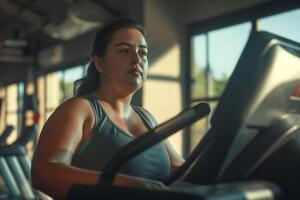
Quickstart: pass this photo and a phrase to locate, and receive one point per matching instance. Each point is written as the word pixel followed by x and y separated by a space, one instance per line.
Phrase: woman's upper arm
pixel 61 135
pixel 62 132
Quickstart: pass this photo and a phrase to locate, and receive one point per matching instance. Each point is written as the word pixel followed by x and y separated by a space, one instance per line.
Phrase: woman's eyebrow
pixel 128 44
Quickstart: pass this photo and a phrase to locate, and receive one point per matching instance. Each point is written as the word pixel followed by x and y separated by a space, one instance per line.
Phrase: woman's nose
pixel 136 59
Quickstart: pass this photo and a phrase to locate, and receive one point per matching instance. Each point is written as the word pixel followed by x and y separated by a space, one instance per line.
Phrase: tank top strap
pixel 98 114
pixel 146 117
pixel 95 107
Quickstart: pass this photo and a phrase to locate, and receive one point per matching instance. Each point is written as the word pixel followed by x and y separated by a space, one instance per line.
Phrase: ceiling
pixel 38 24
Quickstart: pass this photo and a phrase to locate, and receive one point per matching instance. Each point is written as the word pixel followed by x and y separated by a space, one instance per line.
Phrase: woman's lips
pixel 135 71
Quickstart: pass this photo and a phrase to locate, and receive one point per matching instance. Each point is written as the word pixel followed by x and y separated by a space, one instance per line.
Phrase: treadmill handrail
pixel 152 137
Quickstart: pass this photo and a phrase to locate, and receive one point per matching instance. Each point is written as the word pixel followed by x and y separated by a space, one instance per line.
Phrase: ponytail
pixel 89 83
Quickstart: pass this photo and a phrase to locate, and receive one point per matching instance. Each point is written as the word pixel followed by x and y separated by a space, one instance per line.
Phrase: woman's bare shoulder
pixel 72 116
pixel 75 101
pixel 74 106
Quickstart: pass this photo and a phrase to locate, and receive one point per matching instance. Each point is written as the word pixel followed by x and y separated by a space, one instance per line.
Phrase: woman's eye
pixel 124 51
pixel 143 53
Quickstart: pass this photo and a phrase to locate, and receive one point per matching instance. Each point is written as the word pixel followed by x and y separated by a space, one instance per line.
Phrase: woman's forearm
pixel 55 179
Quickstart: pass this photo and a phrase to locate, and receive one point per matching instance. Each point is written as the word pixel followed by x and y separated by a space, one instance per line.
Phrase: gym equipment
pixel 252 149
pixel 15 166
pixel 254 131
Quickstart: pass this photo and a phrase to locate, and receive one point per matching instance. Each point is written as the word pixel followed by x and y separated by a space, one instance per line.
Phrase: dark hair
pixel 90 82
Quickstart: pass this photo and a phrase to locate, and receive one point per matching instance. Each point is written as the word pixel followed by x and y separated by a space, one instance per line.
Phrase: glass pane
pixel 21 90
pixel 12 119
pixel 12 98
pixel 2 108
pixel 2 92
pixel 225 48
pixel 199 128
pixel 163 100
pixel 53 89
pixel 30 88
pixel 70 76
pixel 198 63
pixel 42 100
pixel 283 24
pixel 168 64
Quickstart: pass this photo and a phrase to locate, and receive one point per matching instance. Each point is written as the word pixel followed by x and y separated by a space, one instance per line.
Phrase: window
pixel 283 24
pixel 41 88
pixel 162 91
pixel 2 109
pixel 71 75
pixel 54 88
pixel 162 98
pixel 54 94
pixel 213 57
pixel 12 111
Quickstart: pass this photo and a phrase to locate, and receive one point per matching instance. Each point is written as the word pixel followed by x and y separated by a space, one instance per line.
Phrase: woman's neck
pixel 120 103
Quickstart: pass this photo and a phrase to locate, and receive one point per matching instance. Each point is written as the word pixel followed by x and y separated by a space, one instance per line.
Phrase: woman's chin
pixel 135 85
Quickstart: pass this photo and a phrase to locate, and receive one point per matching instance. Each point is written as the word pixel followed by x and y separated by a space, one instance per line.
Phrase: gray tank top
pixel 107 139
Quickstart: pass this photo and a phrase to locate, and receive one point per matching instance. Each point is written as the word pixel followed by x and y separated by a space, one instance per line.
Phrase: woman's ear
pixel 98 62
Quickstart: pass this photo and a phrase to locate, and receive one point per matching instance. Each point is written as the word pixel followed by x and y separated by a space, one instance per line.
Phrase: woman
pixel 85 131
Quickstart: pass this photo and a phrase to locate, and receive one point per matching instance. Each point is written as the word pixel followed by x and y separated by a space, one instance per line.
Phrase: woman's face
pixel 125 63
